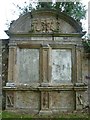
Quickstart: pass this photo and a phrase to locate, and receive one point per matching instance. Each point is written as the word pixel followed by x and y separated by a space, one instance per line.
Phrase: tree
pixel 86 44
pixel 74 9
pixel 45 5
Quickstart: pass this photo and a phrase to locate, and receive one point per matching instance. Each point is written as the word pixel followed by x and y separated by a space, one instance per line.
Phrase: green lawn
pixel 6 114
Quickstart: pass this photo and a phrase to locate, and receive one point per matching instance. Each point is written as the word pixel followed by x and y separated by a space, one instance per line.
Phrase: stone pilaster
pixel 46 79
pixel 12 62
pixel 46 65
pixel 79 64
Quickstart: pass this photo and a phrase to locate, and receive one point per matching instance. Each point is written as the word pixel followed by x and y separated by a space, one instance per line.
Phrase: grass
pixel 6 114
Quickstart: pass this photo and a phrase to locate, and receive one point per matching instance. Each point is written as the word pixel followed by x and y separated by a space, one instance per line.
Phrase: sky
pixel 7 13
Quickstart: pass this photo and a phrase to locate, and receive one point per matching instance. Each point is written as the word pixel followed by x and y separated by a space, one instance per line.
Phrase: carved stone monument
pixel 46 68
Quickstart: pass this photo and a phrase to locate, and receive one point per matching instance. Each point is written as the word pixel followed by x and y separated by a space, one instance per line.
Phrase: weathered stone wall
pixel 46 68
pixel 4 63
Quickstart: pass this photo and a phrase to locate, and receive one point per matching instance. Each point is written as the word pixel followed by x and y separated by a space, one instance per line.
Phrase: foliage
pixel 74 9
pixel 24 9
pixel 44 5
pixel 86 44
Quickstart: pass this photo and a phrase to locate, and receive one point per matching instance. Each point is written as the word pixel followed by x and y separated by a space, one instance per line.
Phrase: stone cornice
pixel 54 34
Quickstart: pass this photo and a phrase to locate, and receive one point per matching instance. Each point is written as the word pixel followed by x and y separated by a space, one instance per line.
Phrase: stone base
pixel 45 112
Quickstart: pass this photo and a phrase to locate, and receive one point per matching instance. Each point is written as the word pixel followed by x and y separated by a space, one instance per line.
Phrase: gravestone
pixel 47 67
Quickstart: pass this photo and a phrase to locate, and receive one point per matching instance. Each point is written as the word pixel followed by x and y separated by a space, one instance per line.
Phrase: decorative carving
pixel 47 25
pixel 45 99
pixel 80 99
pixel 59 26
pixel 50 26
pixel 36 25
pixel 10 99
pixel 43 24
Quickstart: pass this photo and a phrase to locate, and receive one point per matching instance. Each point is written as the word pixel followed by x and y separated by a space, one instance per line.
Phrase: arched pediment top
pixel 45 21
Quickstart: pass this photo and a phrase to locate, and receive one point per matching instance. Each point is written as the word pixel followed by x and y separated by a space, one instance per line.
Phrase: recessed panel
pixel 62 100
pixel 61 65
pixel 27 99
pixel 28 65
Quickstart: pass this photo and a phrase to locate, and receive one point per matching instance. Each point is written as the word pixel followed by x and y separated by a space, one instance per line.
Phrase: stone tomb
pixel 47 67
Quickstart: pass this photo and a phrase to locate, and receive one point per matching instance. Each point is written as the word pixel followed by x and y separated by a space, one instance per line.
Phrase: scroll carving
pixel 80 99
pixel 47 25
pixel 10 100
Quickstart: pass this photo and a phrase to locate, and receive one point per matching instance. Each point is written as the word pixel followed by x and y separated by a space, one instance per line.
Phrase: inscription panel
pixel 61 65
pixel 28 65
pixel 63 100
pixel 27 99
